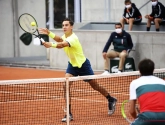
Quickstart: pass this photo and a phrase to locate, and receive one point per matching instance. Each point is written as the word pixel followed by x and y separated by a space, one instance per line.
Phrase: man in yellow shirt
pixel 78 64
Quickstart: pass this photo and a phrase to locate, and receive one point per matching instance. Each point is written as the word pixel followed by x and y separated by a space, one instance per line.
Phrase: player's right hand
pixel 43 31
pixel 47 44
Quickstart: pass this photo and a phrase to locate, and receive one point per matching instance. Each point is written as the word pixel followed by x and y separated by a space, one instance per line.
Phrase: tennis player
pixel 149 90
pixel 78 64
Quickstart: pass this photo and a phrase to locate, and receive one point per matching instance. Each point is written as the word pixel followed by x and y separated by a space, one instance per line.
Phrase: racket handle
pixel 137 109
pixel 42 40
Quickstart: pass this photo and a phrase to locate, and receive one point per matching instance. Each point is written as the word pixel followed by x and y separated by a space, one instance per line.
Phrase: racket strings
pixel 127 113
pixel 25 23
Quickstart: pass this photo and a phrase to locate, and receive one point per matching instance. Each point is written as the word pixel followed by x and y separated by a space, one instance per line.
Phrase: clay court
pixel 15 73
pixel 41 103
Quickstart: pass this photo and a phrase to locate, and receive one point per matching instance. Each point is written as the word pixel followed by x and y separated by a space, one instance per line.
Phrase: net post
pixel 67 100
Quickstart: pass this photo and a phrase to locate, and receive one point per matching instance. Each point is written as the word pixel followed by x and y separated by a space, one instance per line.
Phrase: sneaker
pixel 111 105
pixel 119 71
pixel 65 118
pixel 105 73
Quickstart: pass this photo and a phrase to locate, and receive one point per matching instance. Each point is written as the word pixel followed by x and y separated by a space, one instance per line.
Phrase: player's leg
pixel 111 100
pixel 122 21
pixel 157 21
pixel 110 54
pixel 122 57
pixel 69 73
pixel 86 69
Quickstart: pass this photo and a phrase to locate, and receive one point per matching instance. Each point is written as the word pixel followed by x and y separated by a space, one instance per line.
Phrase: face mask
pixel 154 3
pixel 128 6
pixel 118 30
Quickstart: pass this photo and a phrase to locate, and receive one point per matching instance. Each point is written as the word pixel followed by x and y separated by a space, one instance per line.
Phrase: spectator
pixel 134 15
pixel 157 15
pixel 122 42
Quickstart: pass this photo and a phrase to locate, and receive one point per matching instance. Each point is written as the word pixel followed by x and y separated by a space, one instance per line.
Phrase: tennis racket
pixel 29 24
pixel 125 111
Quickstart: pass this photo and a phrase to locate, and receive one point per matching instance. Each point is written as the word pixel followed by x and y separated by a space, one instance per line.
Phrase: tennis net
pixel 41 101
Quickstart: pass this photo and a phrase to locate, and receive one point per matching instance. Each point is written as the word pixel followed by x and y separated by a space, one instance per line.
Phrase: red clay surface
pixel 41 104
pixel 12 73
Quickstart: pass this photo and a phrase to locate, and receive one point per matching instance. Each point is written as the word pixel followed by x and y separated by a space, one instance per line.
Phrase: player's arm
pixel 62 44
pixel 132 98
pixel 132 109
pixel 55 37
pixel 58 39
pixel 58 45
pixel 50 34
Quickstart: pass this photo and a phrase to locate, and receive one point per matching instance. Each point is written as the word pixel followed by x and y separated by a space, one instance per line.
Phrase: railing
pixel 144 4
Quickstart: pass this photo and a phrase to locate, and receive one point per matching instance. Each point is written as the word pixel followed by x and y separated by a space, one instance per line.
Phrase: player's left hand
pixel 43 31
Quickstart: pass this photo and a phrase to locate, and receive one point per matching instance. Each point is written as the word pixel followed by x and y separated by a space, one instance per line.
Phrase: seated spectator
pixel 157 15
pixel 134 15
pixel 122 42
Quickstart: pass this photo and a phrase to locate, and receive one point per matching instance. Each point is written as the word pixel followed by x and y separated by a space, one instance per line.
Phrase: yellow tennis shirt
pixel 74 51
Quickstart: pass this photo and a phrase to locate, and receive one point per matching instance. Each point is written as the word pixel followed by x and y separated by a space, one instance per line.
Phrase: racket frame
pixel 33 33
pixel 123 110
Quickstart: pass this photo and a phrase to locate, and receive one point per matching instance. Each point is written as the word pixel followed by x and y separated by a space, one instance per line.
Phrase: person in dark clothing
pixel 122 42
pixel 157 15
pixel 134 15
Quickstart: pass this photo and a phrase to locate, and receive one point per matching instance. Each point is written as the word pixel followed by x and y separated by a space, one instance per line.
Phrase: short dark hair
pixel 127 1
pixel 70 21
pixel 146 67
pixel 118 24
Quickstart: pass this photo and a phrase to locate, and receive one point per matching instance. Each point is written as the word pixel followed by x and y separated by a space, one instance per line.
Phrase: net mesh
pixel 41 101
